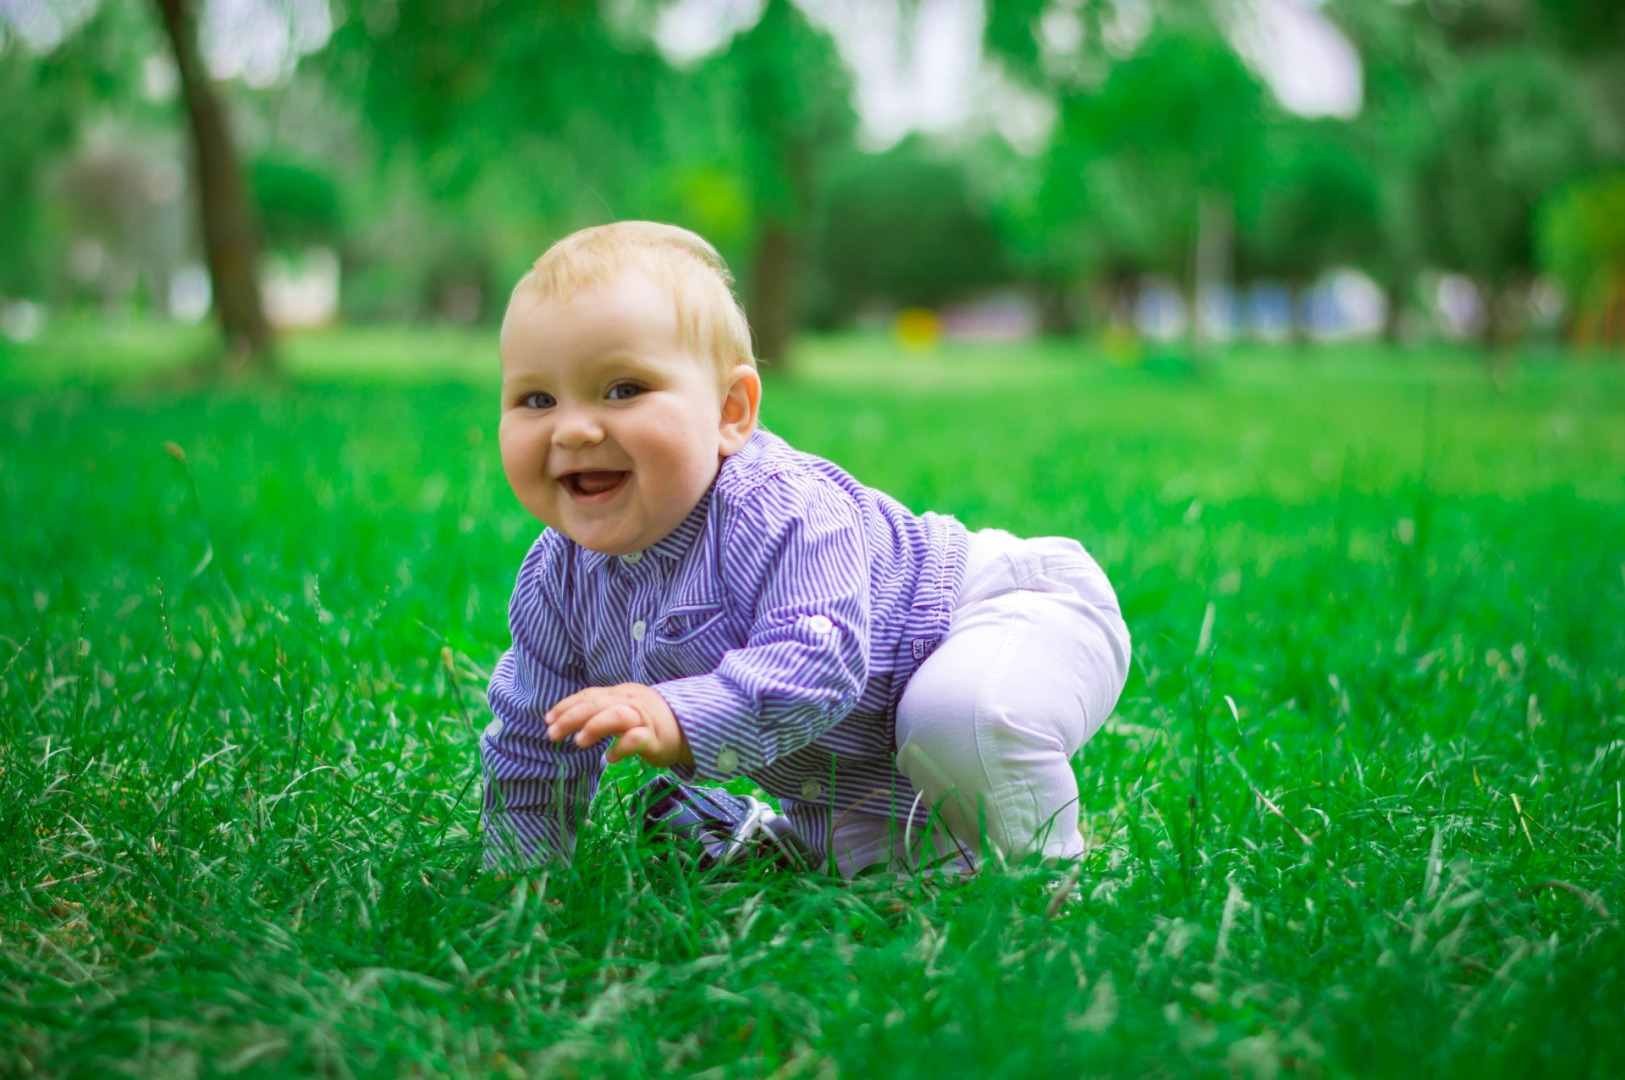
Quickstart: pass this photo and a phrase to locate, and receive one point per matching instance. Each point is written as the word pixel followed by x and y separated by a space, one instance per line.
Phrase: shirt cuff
pixel 715 720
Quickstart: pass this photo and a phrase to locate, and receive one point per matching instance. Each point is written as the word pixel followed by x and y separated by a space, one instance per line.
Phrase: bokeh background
pixel 1304 318
pixel 1159 178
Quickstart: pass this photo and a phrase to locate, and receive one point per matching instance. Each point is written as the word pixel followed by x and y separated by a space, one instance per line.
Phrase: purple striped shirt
pixel 780 621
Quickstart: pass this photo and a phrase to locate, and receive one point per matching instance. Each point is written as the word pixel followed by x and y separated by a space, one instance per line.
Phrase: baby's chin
pixel 608 541
pixel 618 533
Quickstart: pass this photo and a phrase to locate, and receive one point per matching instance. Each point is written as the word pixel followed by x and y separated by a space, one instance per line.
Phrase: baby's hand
pixel 639 719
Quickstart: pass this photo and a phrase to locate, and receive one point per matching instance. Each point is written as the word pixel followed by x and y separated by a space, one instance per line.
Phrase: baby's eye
pixel 623 391
pixel 538 400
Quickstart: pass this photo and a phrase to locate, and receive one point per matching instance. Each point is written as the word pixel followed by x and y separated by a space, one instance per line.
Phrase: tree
pixel 545 118
pixel 500 127
pixel 1510 129
pixel 1134 155
pixel 93 69
pixel 1314 203
pixel 1404 52
pixel 904 227
pixel 1581 237
pixel 229 240
pixel 792 107
pixel 1474 112
pixel 297 202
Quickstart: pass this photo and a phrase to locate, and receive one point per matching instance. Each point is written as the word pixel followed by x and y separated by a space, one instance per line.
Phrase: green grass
pixel 1359 811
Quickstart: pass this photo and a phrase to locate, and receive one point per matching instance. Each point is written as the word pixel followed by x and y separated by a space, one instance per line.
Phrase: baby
pixel 722 605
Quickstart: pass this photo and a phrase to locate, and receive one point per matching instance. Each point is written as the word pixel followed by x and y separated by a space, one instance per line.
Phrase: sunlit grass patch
pixel 1359 810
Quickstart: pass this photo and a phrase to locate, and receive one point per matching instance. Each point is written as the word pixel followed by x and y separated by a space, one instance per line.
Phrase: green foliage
pixel 1129 158
pixel 1014 35
pixel 1316 204
pixel 1581 235
pixel 548 118
pixel 474 85
pixel 53 96
pixel 298 203
pixel 1588 27
pixel 904 227
pixel 240 697
pixel 1510 127
pixel 793 107
pixel 540 120
pixel 1011 35
pixel 462 137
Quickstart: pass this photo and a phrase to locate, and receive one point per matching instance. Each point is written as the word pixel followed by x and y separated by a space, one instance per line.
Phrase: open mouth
pixel 593 483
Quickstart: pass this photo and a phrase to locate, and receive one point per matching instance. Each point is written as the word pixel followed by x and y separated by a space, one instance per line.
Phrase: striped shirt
pixel 780 621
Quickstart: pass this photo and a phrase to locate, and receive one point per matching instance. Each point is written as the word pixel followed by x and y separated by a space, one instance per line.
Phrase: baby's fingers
pixel 613 720
pixel 567 717
pixel 627 745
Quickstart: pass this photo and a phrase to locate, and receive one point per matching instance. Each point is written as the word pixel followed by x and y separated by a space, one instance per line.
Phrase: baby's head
pixel 687 268
pixel 627 376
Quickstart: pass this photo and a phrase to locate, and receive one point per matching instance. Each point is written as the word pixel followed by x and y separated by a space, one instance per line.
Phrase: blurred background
pixel 1150 177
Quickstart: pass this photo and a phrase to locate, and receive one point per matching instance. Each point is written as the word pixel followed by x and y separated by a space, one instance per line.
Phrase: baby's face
pixel 611 428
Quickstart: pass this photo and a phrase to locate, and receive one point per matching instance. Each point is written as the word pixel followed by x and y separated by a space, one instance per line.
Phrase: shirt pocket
pixel 682 625
pixel 691 640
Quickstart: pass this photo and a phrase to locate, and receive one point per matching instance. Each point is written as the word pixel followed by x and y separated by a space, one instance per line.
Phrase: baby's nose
pixel 577 427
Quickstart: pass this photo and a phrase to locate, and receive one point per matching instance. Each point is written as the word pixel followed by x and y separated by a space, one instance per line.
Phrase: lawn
pixel 1359 811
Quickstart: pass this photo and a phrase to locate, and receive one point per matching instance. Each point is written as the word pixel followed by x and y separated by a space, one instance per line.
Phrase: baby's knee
pixel 938 766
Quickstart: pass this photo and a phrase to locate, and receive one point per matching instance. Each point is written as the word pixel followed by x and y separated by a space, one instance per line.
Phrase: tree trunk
pixel 772 293
pixel 1612 321
pixel 1393 320
pixel 1494 333
pixel 1301 336
pixel 1125 299
pixel 1212 267
pixel 1057 315
pixel 228 230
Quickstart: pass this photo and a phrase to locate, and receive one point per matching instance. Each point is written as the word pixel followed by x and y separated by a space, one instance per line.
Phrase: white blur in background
pixel 920 67
pixel 916 66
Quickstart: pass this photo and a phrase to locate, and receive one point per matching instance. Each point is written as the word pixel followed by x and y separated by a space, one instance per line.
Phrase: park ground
pixel 1359 810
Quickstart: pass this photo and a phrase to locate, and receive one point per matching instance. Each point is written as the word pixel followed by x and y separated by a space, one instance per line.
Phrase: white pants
pixel 1035 656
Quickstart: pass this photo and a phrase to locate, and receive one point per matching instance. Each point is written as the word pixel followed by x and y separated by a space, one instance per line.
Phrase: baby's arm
pixel 796 559
pixel 799 672
pixel 536 791
pixel 636 715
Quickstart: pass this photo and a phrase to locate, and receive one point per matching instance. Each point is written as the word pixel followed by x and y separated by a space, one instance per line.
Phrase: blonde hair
pixel 710 320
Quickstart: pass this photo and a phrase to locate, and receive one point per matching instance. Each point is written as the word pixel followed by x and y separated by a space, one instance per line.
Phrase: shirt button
pixel 494 728
pixel 632 558
pixel 818 624
pixel 637 630
pixel 727 761
pixel 812 790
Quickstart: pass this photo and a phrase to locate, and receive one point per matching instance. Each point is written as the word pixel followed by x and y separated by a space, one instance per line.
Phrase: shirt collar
pixel 675 544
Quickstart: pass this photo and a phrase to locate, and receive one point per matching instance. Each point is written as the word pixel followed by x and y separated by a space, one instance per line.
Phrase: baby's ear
pixel 741 398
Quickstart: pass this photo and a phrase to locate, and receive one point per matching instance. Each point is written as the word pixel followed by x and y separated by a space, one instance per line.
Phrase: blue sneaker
pixel 727 827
